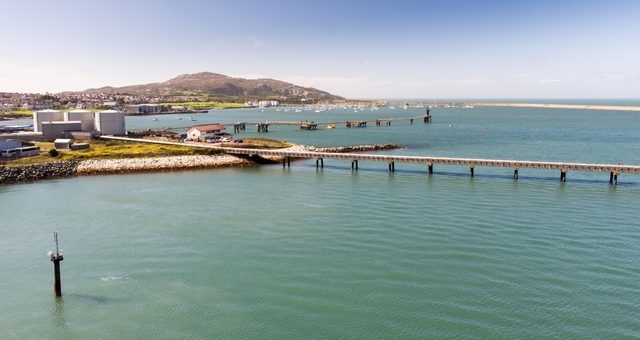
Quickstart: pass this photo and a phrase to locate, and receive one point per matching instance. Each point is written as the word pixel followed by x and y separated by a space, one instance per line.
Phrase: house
pixel 201 132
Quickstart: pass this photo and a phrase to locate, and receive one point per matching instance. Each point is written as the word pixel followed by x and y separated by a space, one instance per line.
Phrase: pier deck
pixel 288 154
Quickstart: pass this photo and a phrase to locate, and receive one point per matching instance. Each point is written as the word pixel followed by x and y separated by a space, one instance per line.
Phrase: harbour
pixel 330 252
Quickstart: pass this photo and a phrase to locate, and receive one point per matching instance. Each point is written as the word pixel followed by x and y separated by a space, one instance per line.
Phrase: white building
pixel 144 109
pixel 45 116
pixel 110 122
pixel 198 132
pixel 85 117
pixel 268 103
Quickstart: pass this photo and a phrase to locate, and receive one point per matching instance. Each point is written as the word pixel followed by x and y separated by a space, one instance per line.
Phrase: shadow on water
pixel 90 298
pixel 521 178
pixel 59 319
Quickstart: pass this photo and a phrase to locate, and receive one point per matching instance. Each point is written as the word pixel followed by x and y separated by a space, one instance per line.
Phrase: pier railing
pixel 288 154
pixel 613 169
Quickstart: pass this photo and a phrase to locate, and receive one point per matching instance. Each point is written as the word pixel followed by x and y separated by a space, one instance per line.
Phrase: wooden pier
pixel 429 162
pixel 304 125
pixel 563 167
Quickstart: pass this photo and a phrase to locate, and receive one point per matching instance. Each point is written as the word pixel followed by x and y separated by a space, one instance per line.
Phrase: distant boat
pixel 179 118
pixel 331 126
pixel 156 119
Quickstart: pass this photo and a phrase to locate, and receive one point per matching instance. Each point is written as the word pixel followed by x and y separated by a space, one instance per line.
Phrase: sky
pixel 355 49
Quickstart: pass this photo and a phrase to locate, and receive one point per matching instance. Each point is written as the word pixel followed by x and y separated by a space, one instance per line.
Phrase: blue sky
pixel 356 49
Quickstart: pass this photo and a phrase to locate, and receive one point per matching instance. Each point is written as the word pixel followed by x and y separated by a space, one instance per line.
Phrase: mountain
pixel 222 87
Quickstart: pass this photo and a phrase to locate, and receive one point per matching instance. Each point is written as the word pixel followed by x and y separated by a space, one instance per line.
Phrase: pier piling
pixel 613 178
pixel 563 175
pixel 354 164
pixel 320 161
pixel 471 171
pixel 515 174
pixel 392 166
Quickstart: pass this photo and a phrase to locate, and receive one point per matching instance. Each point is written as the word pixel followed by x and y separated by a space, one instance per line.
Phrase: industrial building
pixel 54 124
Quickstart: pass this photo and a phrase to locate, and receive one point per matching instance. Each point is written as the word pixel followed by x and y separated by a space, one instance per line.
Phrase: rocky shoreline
pixel 29 173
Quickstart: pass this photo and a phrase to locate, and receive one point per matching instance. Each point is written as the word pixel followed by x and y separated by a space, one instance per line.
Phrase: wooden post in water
pixel 563 175
pixel 515 173
pixel 427 116
pixel 613 177
pixel 56 257
pixel 354 164
pixel 430 168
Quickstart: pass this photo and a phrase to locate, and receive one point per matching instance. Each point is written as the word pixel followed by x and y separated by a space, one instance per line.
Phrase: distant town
pixel 30 101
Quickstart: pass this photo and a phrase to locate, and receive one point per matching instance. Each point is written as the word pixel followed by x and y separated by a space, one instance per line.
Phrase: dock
pixel 428 161
pixel 564 167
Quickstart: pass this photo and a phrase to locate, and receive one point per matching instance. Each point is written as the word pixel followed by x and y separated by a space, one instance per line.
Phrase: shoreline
pixel 60 169
pixel 562 106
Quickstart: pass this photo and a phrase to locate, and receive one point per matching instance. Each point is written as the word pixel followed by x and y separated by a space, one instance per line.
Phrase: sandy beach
pixel 562 106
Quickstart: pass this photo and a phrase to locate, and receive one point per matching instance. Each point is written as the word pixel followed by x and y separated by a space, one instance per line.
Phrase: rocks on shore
pixel 10 174
pixel 158 164
pixel 27 173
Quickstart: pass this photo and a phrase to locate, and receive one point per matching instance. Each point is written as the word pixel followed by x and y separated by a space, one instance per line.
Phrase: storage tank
pixel 110 122
pixel 46 116
pixel 86 118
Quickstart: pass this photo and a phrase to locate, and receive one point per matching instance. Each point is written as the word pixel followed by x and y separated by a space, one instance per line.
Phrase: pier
pixel 305 125
pixel 563 167
pixel 428 161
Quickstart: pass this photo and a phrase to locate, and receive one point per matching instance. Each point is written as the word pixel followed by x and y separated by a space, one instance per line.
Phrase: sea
pixel 275 252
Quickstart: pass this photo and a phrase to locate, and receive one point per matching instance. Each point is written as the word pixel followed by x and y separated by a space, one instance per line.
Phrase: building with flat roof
pixel 198 132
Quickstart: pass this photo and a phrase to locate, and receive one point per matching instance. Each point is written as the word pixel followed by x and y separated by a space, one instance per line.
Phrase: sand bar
pixel 563 106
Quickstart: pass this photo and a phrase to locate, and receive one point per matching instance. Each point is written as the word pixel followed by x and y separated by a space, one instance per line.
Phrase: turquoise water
pixel 304 253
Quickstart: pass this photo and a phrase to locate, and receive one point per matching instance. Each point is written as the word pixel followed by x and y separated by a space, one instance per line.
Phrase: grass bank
pixel 122 149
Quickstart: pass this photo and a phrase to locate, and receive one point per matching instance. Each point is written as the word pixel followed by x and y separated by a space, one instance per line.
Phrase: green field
pixel 124 149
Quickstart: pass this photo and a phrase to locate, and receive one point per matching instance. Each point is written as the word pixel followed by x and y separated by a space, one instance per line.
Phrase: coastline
pixel 125 165
pixel 562 106
pixel 60 169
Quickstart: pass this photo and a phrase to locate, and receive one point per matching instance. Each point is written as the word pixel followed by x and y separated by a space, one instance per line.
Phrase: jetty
pixel 306 125
pixel 289 154
pixel 564 167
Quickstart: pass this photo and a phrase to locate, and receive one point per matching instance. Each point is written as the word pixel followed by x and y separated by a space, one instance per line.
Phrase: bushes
pixel 53 153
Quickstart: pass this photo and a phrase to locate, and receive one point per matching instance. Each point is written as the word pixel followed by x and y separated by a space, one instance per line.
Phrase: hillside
pixel 214 85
